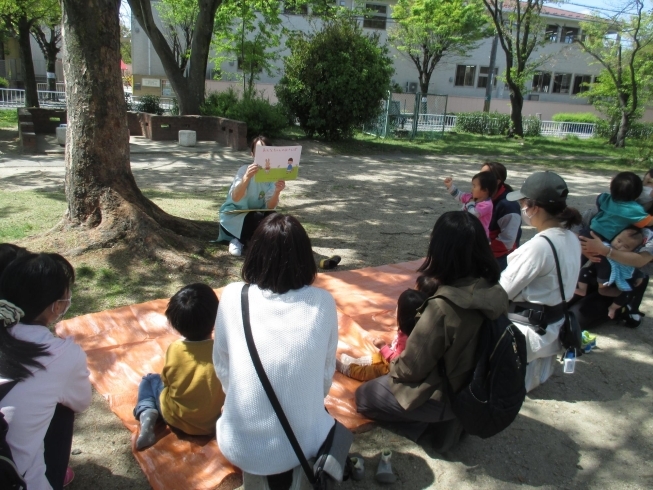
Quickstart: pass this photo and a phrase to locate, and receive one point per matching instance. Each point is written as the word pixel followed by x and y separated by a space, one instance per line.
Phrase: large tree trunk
pixel 31 93
pixel 104 202
pixel 190 90
pixel 516 105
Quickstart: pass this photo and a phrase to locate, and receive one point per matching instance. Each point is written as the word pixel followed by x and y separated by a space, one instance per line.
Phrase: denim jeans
pixel 148 394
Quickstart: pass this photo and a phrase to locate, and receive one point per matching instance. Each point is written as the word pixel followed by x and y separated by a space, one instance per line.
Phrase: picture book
pixel 277 163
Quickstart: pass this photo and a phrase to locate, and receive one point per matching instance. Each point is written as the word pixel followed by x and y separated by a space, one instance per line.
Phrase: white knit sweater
pixel 296 335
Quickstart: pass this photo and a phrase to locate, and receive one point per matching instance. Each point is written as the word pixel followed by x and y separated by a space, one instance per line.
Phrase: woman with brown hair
pixel 294 326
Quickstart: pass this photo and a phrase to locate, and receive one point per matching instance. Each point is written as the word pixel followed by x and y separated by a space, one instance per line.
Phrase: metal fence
pixel 410 115
pixel 60 86
pixel 560 129
pixel 14 97
pixel 166 103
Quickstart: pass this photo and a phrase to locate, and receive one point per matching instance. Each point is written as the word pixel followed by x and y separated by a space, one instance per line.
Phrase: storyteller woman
pixel 295 330
pixel 245 193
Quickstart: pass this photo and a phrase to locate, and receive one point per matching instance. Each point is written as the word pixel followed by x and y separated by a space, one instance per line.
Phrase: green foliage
pixel 335 78
pixel 128 102
pixel 577 117
pixel 639 131
pixel 532 126
pixel 149 104
pixel 260 116
pixel 4 83
pixel 482 123
pixel 248 33
pixel 427 30
pixel 179 18
pixel 9 119
pixel 622 46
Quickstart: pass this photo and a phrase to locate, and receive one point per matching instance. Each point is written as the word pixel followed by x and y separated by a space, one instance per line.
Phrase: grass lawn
pixel 111 278
pixel 593 153
pixel 8 118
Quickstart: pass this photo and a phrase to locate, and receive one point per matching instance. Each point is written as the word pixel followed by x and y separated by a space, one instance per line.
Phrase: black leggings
pixel 57 444
pixel 251 222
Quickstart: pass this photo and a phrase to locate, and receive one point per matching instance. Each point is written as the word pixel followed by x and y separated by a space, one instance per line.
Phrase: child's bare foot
pixel 378 343
pixel 612 311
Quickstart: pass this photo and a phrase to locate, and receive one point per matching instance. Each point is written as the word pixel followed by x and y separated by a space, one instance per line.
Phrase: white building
pixel 556 87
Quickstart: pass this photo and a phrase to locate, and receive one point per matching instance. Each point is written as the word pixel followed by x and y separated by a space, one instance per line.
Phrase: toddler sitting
pixel 479 201
pixel 187 395
pixel 610 273
pixel 370 367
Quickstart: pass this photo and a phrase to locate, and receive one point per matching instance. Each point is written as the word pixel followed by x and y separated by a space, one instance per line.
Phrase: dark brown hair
pixel 407 304
pixel 280 257
pixel 459 248
pixel 500 172
pixel 567 216
pixel 264 140
pixel 192 310
pixel 427 285
pixel 487 181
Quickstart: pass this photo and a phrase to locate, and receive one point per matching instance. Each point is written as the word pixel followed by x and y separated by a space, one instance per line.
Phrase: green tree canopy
pixel 335 79
pixel 623 47
pixel 427 30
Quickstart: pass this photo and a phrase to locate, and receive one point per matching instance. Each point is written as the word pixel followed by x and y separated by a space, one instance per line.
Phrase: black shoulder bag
pixel 571 335
pixel 332 457
pixel 10 478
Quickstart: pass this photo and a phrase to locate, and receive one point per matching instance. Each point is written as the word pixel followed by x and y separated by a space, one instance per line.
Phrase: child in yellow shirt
pixel 187 394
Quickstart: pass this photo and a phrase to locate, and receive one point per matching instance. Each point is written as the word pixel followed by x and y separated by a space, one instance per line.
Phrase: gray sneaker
pixel 235 247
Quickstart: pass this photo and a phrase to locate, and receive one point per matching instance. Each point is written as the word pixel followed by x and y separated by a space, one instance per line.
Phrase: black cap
pixel 542 187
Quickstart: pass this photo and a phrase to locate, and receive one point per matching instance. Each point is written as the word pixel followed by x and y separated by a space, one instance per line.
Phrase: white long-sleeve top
pixel 296 336
pixel 29 406
pixel 531 276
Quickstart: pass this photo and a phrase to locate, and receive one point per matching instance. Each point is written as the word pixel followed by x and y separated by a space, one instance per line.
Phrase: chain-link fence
pixel 410 116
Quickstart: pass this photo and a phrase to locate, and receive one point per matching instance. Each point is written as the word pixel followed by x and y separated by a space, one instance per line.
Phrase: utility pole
pixel 490 75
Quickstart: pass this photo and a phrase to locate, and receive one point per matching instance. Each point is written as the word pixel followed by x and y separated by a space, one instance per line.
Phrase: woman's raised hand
pixel 279 185
pixel 251 171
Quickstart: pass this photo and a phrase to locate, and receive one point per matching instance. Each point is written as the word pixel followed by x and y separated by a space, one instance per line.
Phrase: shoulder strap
pixel 6 388
pixel 267 386
pixel 555 257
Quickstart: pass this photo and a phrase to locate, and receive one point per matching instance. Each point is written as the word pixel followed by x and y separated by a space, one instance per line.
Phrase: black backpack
pixel 496 392
pixel 10 478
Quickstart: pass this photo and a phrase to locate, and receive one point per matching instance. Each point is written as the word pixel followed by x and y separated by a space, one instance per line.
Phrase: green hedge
pixel 4 83
pixel 532 126
pixel 579 117
pixel 604 129
pixel 482 123
pixel 258 113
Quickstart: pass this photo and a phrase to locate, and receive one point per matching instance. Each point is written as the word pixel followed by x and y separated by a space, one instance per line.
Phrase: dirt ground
pixel 592 429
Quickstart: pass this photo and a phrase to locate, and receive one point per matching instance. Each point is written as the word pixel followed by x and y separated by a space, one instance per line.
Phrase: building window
pixel 291 7
pixel 561 83
pixel 166 88
pixel 375 19
pixel 581 84
pixel 551 33
pixel 541 81
pixel 483 75
pixel 465 75
pixel 569 34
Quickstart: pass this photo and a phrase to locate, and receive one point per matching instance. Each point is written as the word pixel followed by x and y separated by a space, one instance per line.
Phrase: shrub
pixel 482 123
pixel 149 104
pixel 604 129
pixel 258 113
pixel 4 83
pixel 335 79
pixel 128 102
pixel 532 126
pixel 579 117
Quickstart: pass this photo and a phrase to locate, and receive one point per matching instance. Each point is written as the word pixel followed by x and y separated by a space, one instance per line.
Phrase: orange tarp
pixel 124 344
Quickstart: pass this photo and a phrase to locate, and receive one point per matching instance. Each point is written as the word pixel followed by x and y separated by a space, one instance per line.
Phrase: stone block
pixel 28 140
pixel 61 135
pixel 26 127
pixel 187 137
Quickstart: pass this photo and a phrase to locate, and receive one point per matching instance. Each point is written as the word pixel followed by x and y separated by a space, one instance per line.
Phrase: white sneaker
pixel 235 247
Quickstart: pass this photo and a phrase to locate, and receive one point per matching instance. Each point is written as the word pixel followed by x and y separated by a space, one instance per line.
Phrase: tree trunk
pixel 190 90
pixel 31 93
pixel 424 81
pixel 104 202
pixel 516 105
pixel 620 139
